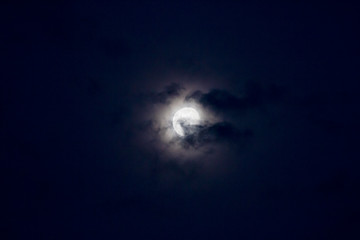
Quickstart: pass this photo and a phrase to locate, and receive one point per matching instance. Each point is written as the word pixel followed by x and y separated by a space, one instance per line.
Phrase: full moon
pixel 188 116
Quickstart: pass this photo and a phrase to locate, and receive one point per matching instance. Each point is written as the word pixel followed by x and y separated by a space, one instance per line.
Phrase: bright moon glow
pixel 186 115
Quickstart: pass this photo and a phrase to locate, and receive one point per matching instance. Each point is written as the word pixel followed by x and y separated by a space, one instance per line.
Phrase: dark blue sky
pixel 87 89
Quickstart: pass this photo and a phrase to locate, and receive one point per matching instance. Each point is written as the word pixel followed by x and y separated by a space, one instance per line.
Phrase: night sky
pixel 88 91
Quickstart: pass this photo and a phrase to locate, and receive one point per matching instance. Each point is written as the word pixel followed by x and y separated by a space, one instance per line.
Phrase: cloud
pixel 222 132
pixel 223 129
pixel 220 100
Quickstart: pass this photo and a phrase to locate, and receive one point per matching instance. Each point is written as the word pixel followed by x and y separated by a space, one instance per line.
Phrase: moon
pixel 185 115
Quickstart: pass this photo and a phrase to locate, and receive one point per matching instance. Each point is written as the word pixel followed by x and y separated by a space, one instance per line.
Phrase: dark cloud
pixel 221 100
pixel 222 132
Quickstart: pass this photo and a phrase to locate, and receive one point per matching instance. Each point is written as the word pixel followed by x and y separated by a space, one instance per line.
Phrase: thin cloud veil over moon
pixel 185 118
